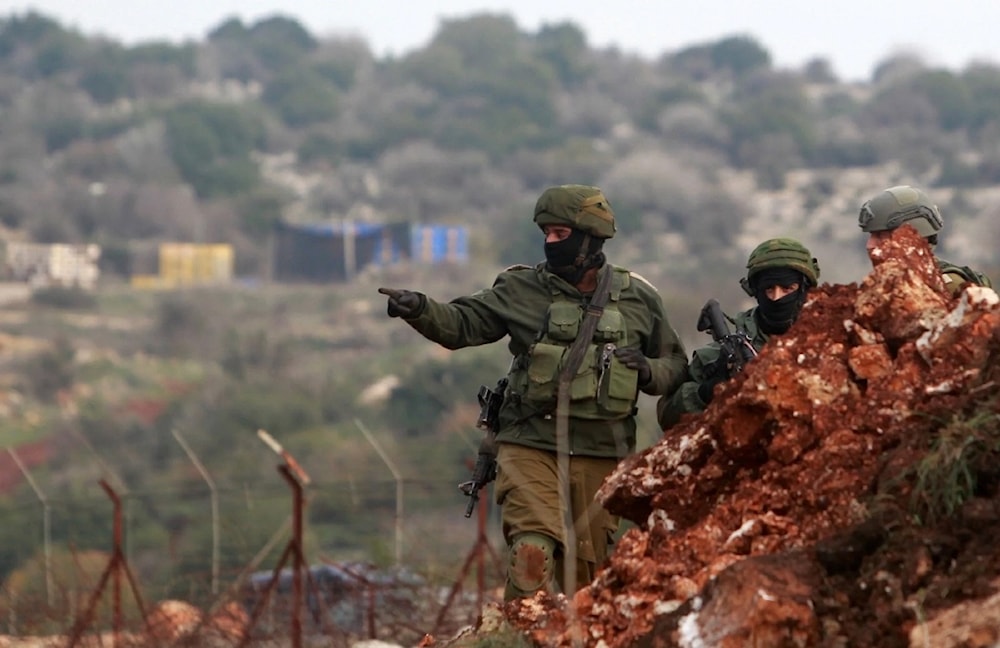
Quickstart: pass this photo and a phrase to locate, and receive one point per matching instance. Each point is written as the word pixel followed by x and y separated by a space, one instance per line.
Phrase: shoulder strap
pixel 594 310
pixel 576 352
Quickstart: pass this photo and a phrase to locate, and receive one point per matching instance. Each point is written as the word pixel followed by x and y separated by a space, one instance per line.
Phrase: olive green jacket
pixel 515 307
pixel 686 399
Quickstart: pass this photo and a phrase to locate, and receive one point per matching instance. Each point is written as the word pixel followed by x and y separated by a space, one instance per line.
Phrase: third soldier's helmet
pixel 578 206
pixel 781 253
pixel 897 205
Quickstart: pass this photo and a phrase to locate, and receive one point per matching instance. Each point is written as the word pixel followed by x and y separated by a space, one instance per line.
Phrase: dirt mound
pixel 842 491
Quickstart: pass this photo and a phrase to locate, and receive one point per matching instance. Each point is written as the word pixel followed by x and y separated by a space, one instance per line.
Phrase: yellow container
pixel 185 264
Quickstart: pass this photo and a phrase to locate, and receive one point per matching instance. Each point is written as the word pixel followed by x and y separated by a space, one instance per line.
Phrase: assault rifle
pixel 485 469
pixel 736 348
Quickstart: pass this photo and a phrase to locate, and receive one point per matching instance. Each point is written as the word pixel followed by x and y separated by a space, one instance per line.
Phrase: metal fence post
pixel 46 524
pixel 214 494
pixel 399 490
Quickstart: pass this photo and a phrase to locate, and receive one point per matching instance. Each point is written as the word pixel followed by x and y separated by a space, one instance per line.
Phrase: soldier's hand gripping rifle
pixel 485 469
pixel 736 348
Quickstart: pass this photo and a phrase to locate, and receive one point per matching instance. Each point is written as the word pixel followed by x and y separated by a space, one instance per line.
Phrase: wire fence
pixel 403 543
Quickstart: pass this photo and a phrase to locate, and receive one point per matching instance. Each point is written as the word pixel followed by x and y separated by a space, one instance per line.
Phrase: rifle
pixel 485 469
pixel 736 348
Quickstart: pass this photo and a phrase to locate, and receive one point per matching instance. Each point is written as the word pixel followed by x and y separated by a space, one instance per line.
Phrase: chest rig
pixel 602 387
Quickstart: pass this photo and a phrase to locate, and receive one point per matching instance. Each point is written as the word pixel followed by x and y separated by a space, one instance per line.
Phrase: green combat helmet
pixel 578 206
pixel 781 253
pixel 897 205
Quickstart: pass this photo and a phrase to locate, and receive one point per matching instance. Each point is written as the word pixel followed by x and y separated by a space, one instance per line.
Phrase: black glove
pixel 715 373
pixel 403 303
pixel 634 359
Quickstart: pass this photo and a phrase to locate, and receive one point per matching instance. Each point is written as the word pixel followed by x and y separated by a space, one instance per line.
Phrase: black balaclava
pixel 574 255
pixel 775 317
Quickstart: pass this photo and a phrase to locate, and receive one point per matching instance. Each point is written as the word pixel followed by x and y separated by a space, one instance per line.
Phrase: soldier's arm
pixel 685 400
pixel 466 321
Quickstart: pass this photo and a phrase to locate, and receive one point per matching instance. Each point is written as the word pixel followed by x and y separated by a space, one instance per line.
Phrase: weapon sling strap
pixel 592 316
pixel 573 359
pixel 594 310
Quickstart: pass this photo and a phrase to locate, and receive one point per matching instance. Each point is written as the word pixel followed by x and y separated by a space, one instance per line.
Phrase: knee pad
pixel 531 564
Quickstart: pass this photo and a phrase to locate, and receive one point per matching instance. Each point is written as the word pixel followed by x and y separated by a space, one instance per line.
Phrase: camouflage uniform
pixel 540 312
pixel 905 204
pixel 686 398
pixel 778 253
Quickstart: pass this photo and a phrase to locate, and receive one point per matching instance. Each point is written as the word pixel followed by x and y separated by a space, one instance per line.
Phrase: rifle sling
pixel 579 348
pixel 576 352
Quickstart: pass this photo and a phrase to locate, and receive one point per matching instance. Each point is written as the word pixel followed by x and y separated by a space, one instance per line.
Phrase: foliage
pixel 740 54
pixel 433 388
pixel 255 355
pixel 74 297
pixel 104 75
pixel 184 56
pixel 983 87
pixel 59 131
pixel 260 209
pixel 564 47
pixel 42 610
pixel 949 96
pixel 273 43
pixel 211 146
pixel 505 637
pixel 770 122
pixel 302 96
pixel 30 29
pixel 180 323
pixel 50 372
pixel 501 97
pixel 737 55
pixel 961 454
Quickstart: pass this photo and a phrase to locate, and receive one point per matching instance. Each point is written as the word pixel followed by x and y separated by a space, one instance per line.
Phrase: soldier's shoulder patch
pixel 639 277
pixel 517 266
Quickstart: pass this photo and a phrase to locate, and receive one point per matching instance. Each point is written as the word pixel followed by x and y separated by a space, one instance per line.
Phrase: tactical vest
pixel 603 387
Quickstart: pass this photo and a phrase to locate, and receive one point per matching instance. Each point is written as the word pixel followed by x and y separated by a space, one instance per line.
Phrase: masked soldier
pixel 541 311
pixel 905 204
pixel 780 272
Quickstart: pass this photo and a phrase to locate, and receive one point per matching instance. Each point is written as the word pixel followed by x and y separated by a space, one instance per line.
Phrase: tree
pixel 736 55
pixel 983 84
pixel 302 96
pixel 766 105
pixel 105 74
pixel 948 95
pixel 211 146
pixel 740 54
pixel 564 47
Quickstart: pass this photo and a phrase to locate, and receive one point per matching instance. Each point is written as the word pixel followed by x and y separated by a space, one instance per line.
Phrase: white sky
pixel 854 35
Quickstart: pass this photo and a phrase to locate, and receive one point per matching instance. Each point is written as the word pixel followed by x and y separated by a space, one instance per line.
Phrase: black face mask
pixel 777 316
pixel 561 256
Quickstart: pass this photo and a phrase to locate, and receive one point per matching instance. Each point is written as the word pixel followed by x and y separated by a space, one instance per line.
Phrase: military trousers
pixel 527 490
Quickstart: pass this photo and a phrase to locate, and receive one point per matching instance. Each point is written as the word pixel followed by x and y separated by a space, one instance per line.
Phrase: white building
pixel 53 264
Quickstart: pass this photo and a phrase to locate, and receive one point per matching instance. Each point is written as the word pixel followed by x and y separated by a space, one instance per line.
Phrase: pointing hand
pixel 403 303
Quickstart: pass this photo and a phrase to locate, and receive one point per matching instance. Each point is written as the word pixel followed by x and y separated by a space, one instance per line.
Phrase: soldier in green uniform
pixel 780 272
pixel 905 204
pixel 540 311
